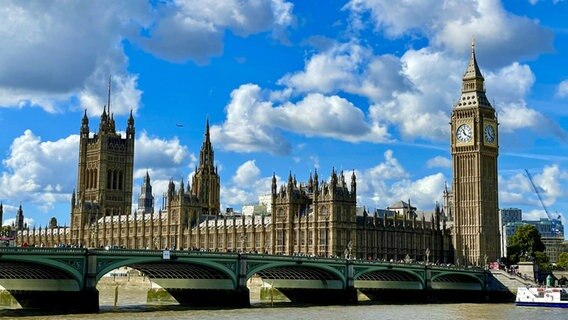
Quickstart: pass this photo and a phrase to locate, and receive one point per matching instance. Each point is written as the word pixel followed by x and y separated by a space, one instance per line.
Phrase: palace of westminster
pixel 319 217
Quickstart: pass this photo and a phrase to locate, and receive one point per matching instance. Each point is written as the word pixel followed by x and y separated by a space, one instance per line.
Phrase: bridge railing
pixel 39 250
pixel 201 253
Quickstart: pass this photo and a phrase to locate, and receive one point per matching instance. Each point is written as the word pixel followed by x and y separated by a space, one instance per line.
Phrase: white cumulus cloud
pixel 388 182
pixel 450 25
pixel 60 54
pixel 38 171
pixel 58 51
pixel 562 89
pixel 247 173
pixel 439 162
pixel 195 29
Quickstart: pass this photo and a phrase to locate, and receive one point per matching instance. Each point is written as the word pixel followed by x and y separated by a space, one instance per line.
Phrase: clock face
pixel 489 133
pixel 464 133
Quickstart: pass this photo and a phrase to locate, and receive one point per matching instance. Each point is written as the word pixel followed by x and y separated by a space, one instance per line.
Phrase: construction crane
pixel 556 224
pixel 538 195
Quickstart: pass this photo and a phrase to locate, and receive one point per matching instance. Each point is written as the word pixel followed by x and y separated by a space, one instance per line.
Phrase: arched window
pixel 120 178
pixel 109 179
pixel 323 212
pixel 114 179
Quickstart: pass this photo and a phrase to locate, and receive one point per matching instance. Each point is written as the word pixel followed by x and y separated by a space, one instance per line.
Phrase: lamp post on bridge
pixel 243 239
pixel 156 240
pixel 347 251
pixel 427 255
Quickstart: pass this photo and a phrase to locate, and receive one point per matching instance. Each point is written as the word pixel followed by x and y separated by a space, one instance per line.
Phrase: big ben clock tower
pixel 474 144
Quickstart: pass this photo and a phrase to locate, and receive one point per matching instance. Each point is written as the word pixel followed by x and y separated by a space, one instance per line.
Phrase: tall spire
pixel 108 97
pixel 206 182
pixel 472 71
pixel 207 128
pixel 473 85
pixel 207 137
pixel 85 119
pixel 207 159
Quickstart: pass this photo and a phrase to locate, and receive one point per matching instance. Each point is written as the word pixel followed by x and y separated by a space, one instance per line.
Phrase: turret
pixel 171 190
pixel 85 126
pixel 333 182
pixel 274 186
pixel 353 184
pixel 181 188
pixel 1 213
pixel 316 181
pixel 19 219
pixel 130 130
pixel 146 199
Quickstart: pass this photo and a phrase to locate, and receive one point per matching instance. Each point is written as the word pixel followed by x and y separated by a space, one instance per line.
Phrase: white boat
pixel 542 297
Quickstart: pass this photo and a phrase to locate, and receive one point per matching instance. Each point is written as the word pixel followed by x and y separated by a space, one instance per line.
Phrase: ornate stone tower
pixel 474 145
pixel 105 173
pixel 318 218
pixel 19 223
pixel 206 183
pixel 146 199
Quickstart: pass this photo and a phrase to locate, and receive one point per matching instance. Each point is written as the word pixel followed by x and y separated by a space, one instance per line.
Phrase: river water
pixel 361 312
pixel 131 304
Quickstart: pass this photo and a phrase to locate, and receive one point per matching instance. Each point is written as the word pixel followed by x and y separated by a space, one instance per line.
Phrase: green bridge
pixel 66 278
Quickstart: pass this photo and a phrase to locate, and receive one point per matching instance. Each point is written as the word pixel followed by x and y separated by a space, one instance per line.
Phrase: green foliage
pixel 542 260
pixel 5 230
pixel 562 262
pixel 524 245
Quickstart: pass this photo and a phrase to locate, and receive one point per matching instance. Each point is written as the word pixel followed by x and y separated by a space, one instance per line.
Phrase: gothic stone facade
pixel 316 218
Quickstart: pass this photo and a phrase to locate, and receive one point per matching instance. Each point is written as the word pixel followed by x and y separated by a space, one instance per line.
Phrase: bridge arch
pixel 390 274
pixel 32 267
pixel 303 281
pixel 181 268
pixel 295 270
pixel 454 280
pixel 387 277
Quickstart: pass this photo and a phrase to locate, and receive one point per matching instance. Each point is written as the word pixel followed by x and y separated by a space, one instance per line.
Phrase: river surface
pixel 131 304
pixel 362 312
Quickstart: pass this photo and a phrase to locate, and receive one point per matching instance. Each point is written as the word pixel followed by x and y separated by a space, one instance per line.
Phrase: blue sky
pixel 364 85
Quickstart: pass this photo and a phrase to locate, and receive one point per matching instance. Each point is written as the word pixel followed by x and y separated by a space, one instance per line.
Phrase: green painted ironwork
pixel 237 267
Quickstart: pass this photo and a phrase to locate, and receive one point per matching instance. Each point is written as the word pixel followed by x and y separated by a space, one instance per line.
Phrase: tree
pixel 524 245
pixel 562 262
pixel 5 230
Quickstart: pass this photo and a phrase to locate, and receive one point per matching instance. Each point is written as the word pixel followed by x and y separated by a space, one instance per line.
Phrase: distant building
pixel 508 216
pixel 554 247
pixel 551 231
pixel 263 208
pixel 403 209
